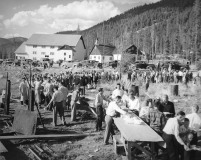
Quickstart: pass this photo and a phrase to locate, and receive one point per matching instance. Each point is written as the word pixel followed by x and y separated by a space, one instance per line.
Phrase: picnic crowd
pixel 178 130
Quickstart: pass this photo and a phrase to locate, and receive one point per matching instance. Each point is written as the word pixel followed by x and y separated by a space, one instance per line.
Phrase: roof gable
pixel 103 50
pixel 54 39
pixel 21 48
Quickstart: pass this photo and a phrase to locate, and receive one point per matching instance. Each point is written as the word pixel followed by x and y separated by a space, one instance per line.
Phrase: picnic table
pixel 136 135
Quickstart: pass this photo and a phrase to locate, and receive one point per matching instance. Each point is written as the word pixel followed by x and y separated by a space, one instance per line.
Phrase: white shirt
pixel 117 92
pixel 172 126
pixel 125 98
pixel 113 108
pixel 195 121
pixel 134 104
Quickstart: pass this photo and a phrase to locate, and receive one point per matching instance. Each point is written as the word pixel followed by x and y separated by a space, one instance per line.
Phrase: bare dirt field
pixel 90 147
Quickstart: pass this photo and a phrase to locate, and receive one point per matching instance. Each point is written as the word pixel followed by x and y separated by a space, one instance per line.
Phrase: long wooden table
pixel 132 134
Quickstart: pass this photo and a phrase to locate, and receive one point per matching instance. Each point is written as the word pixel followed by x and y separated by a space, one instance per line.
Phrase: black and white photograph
pixel 100 79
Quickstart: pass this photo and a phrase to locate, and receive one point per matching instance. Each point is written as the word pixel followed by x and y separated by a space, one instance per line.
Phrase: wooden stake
pixel 33 152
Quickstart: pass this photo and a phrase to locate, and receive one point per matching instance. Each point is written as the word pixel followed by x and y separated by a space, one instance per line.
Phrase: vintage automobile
pixel 143 65
pixel 175 65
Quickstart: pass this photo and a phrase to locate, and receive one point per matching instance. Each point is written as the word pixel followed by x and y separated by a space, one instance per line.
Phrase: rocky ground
pixel 90 147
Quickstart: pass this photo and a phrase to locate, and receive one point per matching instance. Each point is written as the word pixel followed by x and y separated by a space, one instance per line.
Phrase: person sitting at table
pixel 156 118
pixel 145 109
pixel 172 138
pixel 183 132
pixel 110 113
pixel 117 92
pixel 125 97
pixel 134 102
pixel 168 107
pixel 99 108
pixel 195 125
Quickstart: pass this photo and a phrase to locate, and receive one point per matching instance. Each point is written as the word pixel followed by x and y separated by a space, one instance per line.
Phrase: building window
pixel 51 53
pixel 64 54
pixel 42 53
pixel 52 47
pixel 34 52
pixel 64 59
pixel 43 46
pixel 94 57
pixel 34 58
pixel 110 58
pixel 103 57
pixel 98 57
pixel 34 46
pixel 69 56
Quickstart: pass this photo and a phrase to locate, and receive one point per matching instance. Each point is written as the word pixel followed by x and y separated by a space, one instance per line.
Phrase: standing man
pixel 172 138
pixel 110 113
pixel 57 100
pixel 74 99
pixel 23 88
pixel 48 92
pixel 99 108
pixel 64 91
pixel 168 107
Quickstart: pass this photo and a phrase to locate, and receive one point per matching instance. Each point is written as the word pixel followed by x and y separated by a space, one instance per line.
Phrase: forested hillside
pixel 8 46
pixel 167 27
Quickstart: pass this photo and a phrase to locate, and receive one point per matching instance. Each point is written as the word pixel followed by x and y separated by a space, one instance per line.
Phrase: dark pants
pixel 108 128
pixel 171 152
pixel 99 118
pixel 58 108
pixel 191 155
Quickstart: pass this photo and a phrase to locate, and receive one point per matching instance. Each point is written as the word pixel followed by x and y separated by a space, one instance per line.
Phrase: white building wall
pixel 107 59
pixel 117 57
pixel 80 51
pixel 101 58
pixel 52 53
pixel 96 58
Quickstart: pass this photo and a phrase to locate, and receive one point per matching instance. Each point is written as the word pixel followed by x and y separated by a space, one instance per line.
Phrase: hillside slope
pixel 165 27
pixel 8 46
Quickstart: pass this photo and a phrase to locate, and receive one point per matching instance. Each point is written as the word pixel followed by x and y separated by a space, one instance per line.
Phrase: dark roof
pixel 21 49
pixel 133 50
pixel 66 47
pixel 103 50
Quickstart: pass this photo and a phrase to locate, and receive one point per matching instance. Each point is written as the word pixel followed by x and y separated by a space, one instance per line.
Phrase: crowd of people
pixel 178 130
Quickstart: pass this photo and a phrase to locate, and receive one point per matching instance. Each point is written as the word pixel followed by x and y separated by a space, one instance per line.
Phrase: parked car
pixel 175 65
pixel 69 64
pixel 142 65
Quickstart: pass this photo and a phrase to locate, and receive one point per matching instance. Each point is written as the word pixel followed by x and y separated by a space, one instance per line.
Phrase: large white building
pixel 65 47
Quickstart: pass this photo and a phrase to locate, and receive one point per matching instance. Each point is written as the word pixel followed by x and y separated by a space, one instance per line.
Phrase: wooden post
pixel 174 90
pixel 31 93
pixel 7 98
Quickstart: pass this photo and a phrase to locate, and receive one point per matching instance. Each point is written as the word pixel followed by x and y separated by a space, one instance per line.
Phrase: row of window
pixel 35 46
pixel 51 53
pixel 99 57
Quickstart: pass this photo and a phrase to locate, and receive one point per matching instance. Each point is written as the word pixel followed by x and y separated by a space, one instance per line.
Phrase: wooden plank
pixel 43 136
pixel 38 148
pixel 2 148
pixel 34 154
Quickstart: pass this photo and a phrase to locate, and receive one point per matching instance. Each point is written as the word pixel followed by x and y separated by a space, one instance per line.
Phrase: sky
pixel 26 17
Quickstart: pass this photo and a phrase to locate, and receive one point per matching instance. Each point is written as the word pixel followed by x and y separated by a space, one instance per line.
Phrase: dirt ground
pixel 90 147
